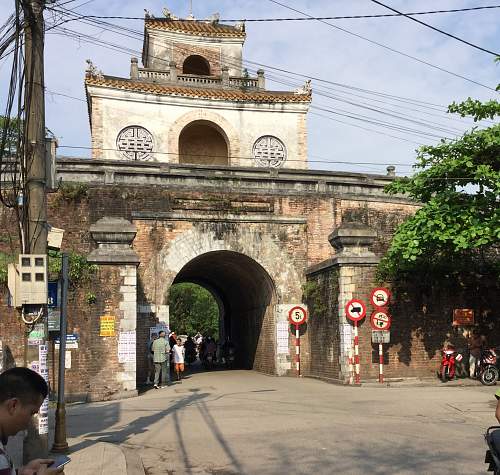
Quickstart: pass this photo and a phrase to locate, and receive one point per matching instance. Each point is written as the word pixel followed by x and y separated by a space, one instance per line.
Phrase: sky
pixel 337 139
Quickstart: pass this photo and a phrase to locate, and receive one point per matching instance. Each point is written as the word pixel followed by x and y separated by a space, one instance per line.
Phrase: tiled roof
pixel 195 27
pixel 202 93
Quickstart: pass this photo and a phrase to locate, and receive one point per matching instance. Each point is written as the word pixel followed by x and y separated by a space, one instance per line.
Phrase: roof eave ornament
pixel 169 15
pixel 148 15
pixel 240 26
pixel 92 71
pixel 305 89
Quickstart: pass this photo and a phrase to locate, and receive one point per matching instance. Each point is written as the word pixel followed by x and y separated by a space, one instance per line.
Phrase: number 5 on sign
pixel 297 315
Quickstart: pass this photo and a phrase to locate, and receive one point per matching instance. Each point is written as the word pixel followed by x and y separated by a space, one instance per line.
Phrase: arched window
pixel 201 142
pixel 196 64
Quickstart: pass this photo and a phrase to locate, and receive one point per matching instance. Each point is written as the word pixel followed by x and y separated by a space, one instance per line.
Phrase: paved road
pixel 242 422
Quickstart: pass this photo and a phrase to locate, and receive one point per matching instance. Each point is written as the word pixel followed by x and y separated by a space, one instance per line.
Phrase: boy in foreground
pixel 22 392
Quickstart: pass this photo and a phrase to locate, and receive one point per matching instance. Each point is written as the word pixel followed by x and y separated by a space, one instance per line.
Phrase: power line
pixel 307 18
pixel 436 29
pixel 139 36
pixel 346 162
pixel 389 48
pixel 362 118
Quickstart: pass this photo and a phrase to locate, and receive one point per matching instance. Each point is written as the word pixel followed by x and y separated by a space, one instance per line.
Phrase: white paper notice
pixel 43 424
pixel 67 360
pixel 282 332
pixel 126 347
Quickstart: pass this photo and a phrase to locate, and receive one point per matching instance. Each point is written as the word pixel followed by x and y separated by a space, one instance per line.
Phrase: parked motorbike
pixel 486 367
pixel 448 363
pixel 492 456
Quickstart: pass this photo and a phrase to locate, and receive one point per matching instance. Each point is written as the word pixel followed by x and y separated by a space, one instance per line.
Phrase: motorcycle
pixel 486 367
pixel 492 456
pixel 448 363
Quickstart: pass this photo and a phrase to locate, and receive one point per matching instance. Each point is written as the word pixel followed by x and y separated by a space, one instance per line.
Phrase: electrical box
pixel 28 280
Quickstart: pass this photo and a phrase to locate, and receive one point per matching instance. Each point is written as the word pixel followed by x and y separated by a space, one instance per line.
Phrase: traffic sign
pixel 297 315
pixel 355 310
pixel 380 297
pixel 380 319
pixel 381 336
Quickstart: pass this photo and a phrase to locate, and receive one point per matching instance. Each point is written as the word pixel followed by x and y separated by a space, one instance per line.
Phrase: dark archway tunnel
pixel 246 295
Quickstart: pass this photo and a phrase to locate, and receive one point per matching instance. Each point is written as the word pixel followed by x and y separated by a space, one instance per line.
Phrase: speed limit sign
pixel 297 315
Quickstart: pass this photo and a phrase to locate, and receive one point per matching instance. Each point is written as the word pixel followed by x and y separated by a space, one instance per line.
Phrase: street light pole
pixel 60 442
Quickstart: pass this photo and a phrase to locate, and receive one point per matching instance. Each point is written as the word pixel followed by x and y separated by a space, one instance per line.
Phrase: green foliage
pixel 315 299
pixel 90 298
pixel 9 128
pixel 72 191
pixel 458 183
pixel 5 260
pixel 80 271
pixel 193 309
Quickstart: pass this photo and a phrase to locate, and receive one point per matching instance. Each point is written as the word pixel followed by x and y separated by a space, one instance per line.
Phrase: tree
pixel 458 184
pixel 193 309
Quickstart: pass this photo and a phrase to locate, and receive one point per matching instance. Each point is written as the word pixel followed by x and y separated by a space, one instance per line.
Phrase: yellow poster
pixel 107 325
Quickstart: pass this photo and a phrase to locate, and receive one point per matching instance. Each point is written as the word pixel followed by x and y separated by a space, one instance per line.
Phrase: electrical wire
pixel 238 157
pixel 128 50
pixel 139 35
pixel 436 29
pixel 305 18
pixel 389 48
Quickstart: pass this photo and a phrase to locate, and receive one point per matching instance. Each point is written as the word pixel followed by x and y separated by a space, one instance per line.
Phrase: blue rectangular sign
pixel 52 300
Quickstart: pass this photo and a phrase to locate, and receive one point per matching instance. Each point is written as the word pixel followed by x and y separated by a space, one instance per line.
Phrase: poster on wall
pixel 107 327
pixel 126 347
pixel 160 326
pixel 282 332
pixel 37 335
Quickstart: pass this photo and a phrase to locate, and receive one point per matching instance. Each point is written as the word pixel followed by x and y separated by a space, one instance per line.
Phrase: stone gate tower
pixel 193 102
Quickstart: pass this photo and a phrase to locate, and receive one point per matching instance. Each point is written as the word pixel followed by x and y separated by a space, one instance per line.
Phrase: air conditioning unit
pixel 27 280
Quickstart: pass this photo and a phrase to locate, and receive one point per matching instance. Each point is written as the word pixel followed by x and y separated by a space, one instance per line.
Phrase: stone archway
pixel 246 269
pixel 216 121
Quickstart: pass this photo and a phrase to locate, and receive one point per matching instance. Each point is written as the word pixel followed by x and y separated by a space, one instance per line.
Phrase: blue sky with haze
pixel 313 49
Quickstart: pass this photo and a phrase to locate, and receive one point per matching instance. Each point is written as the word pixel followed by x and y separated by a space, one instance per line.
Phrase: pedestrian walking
pixel 179 352
pixel 160 357
pixel 476 341
pixel 22 392
pixel 151 366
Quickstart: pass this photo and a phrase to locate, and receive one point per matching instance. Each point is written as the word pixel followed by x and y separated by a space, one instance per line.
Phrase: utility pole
pixel 36 441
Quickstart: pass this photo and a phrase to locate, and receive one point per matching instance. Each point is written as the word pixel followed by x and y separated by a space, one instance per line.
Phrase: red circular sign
pixel 380 319
pixel 380 297
pixel 355 310
pixel 297 315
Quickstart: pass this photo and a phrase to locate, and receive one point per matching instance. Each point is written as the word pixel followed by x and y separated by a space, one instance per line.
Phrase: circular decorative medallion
pixel 269 151
pixel 135 143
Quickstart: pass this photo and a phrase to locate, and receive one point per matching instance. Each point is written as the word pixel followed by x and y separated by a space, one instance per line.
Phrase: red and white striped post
pixel 297 316
pixel 380 363
pixel 297 350
pixel 357 377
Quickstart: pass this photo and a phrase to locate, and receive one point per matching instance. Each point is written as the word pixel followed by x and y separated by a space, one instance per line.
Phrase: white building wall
pixel 160 115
